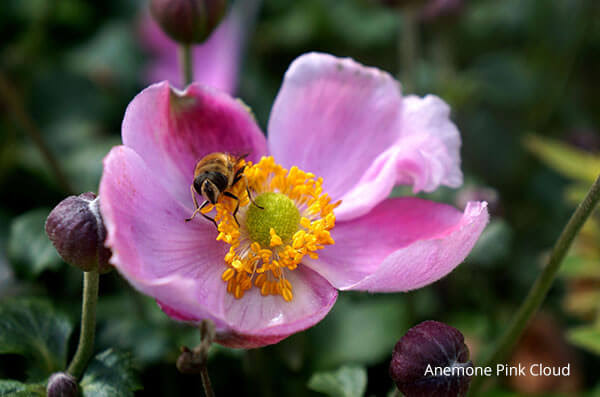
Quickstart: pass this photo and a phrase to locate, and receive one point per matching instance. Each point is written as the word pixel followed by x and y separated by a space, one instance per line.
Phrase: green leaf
pixel 12 388
pixel 571 162
pixel 360 331
pixel 345 382
pixel 34 330
pixel 110 374
pixel 29 249
pixel 586 337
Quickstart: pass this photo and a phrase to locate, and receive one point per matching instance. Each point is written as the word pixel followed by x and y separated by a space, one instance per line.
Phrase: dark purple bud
pixel 188 21
pixel 61 384
pixel 77 231
pixel 420 357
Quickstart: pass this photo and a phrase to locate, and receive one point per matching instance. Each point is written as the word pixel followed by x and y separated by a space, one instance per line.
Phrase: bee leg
pixel 237 207
pixel 250 197
pixel 197 210
pixel 239 175
pixel 210 219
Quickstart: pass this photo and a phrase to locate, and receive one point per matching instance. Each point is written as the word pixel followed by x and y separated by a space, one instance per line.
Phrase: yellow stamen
pixel 248 262
pixel 275 239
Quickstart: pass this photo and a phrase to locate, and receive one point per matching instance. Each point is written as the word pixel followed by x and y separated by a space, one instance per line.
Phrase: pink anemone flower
pixel 337 131
pixel 215 61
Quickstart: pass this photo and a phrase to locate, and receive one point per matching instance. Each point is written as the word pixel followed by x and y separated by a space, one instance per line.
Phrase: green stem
pixel 408 47
pixel 88 324
pixel 542 285
pixel 206 382
pixel 14 104
pixel 185 59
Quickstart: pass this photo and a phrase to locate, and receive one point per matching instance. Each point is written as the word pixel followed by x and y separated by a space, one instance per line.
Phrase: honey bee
pixel 213 175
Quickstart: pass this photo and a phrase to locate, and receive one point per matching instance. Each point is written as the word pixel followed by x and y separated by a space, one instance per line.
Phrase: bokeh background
pixel 522 78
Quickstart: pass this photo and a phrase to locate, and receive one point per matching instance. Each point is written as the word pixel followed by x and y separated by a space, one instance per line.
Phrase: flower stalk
pixel 187 64
pixel 206 382
pixel 542 285
pixel 194 361
pixel 85 348
pixel 207 333
pixel 408 46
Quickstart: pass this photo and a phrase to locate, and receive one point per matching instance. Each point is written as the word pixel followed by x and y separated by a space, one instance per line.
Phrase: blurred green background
pixel 522 78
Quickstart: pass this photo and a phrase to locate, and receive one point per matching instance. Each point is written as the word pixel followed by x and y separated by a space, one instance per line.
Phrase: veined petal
pixel 426 155
pixel 259 320
pixel 152 245
pixel 429 119
pixel 333 117
pixel 256 320
pixel 350 125
pixel 172 130
pixel 402 244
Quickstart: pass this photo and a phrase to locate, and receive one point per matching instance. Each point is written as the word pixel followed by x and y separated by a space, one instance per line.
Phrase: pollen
pixel 286 218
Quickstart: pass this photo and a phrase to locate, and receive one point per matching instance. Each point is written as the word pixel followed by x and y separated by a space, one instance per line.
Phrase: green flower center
pixel 278 212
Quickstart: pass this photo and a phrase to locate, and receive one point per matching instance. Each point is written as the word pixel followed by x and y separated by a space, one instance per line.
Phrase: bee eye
pixel 198 185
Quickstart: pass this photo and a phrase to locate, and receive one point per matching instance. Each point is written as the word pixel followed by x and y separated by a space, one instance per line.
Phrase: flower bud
pixel 424 348
pixel 188 21
pixel 190 361
pixel 77 231
pixel 61 384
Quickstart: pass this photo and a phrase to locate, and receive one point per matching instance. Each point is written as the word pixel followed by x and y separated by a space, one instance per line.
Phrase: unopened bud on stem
pixel 423 353
pixel 188 21
pixel 77 231
pixel 61 384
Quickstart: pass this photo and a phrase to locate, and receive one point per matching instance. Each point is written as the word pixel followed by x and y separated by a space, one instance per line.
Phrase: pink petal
pixel 401 245
pixel 153 247
pixel 180 264
pixel 255 320
pixel 350 125
pixel 427 120
pixel 333 117
pixel 216 61
pixel 426 156
pixel 172 130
